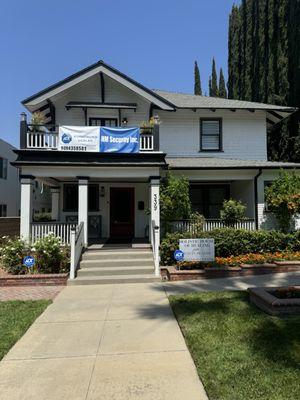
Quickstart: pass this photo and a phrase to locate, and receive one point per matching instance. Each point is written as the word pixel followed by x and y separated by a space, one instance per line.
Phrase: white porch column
pixel 83 183
pixel 55 194
pixel 155 220
pixel 26 207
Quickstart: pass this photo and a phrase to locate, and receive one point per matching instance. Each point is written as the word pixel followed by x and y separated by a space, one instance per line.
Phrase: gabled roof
pixel 275 113
pixel 89 71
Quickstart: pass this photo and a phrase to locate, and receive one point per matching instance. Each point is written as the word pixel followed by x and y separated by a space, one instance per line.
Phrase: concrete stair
pixel 115 265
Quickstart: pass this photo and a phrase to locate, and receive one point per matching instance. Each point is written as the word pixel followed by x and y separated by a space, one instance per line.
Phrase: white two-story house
pixel 219 144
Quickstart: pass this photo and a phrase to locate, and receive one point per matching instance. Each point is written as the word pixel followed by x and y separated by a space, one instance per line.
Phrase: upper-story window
pixel 111 122
pixel 210 134
pixel 3 168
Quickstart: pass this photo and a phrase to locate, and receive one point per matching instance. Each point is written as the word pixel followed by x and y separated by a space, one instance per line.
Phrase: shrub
pixel 283 198
pixel 42 217
pixel 12 253
pixel 234 242
pixel 233 211
pixel 49 256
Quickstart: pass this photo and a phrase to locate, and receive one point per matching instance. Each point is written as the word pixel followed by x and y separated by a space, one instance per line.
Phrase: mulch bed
pixel 172 274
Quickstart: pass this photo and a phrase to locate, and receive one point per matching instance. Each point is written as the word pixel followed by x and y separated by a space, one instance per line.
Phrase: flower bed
pixel 50 257
pixel 247 264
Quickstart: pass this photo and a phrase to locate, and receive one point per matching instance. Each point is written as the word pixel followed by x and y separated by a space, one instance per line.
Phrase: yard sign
pixel 198 249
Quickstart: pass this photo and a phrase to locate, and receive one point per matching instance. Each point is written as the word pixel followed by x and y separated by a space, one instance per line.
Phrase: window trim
pixel 220 149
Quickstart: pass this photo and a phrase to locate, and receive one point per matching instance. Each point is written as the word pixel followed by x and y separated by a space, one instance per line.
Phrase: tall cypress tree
pixel 222 85
pixel 264 64
pixel 197 80
pixel 214 90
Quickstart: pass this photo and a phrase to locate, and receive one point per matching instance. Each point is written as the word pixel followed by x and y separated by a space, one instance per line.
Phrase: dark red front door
pixel 121 213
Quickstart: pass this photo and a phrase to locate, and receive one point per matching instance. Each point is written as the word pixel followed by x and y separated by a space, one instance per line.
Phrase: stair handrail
pixel 155 247
pixel 77 246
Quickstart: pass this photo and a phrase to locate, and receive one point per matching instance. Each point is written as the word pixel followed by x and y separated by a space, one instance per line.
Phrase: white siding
pixel 244 134
pixel 90 90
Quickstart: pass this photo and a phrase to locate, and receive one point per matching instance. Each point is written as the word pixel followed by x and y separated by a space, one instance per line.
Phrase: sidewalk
pixel 108 342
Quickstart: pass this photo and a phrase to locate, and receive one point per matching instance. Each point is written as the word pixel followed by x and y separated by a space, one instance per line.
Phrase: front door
pixel 121 213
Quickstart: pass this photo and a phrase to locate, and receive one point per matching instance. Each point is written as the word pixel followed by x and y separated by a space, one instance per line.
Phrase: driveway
pixel 102 342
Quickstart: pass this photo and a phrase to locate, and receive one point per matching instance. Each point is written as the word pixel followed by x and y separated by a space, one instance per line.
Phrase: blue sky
pixel 155 42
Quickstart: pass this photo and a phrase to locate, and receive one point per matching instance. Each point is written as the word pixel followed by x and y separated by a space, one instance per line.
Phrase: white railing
pixel 155 247
pixel 59 229
pixel 187 225
pixel 49 140
pixel 146 142
pixel 77 245
pixel 42 140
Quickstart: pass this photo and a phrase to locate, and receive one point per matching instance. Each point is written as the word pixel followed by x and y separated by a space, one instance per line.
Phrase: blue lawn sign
pixel 119 140
pixel 29 261
pixel 179 255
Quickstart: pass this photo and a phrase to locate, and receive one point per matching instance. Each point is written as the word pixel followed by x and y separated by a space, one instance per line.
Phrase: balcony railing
pixel 45 137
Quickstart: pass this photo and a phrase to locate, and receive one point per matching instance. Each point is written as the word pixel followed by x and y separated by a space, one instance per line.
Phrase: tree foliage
pixel 222 85
pixel 264 64
pixel 197 80
pixel 233 211
pixel 213 87
pixel 174 198
pixel 283 198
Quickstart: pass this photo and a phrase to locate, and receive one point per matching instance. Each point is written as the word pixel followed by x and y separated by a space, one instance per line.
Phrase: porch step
pixel 108 271
pixel 116 255
pixel 111 263
pixel 114 279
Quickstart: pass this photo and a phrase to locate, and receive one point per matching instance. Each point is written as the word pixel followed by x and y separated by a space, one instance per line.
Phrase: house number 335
pixel 155 202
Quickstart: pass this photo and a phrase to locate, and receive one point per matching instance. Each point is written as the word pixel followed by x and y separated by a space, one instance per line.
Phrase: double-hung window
pixel 210 134
pixel 3 168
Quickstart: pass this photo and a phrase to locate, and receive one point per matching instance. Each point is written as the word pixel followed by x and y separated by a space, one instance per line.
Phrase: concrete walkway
pixel 108 342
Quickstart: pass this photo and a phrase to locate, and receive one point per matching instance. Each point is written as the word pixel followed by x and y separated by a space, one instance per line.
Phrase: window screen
pixel 210 134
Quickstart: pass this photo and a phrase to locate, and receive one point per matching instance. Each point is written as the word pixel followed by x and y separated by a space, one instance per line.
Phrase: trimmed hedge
pixel 234 242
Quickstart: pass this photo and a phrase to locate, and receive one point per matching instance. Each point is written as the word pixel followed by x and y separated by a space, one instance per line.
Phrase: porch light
pixel 156 119
pixel 102 191
pixel 23 117
pixel 124 121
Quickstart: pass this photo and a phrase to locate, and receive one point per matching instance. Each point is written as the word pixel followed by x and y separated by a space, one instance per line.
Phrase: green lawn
pixel 15 318
pixel 240 352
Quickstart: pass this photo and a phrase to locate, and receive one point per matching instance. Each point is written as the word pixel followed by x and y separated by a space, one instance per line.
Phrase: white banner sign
pixel 79 138
pixel 198 249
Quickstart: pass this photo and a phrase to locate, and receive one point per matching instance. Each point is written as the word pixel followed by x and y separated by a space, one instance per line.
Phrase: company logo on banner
pixel 96 138
pixel 79 138
pixel 119 140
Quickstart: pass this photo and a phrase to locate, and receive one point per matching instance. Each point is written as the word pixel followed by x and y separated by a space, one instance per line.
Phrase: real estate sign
pixel 198 249
pixel 99 139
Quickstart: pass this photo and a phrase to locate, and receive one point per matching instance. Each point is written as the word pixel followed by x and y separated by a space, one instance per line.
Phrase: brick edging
pixel 172 274
pixel 35 280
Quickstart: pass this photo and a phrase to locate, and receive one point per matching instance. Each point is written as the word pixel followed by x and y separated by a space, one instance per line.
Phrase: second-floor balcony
pixel 45 137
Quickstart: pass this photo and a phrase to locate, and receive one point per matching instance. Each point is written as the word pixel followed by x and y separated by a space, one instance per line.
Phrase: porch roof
pixel 89 159
pixel 225 163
